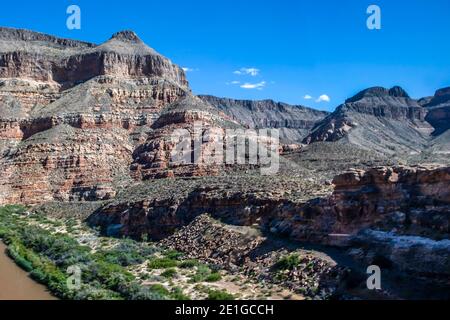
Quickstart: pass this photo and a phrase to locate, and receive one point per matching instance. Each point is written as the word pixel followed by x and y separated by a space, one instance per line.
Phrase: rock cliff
pixel 294 122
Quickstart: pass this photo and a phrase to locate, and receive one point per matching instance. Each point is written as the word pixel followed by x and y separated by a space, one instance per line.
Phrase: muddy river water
pixel 15 284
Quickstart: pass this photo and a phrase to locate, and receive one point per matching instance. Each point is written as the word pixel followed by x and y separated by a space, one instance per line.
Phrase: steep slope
pixel 294 122
pixel 72 113
pixel 384 120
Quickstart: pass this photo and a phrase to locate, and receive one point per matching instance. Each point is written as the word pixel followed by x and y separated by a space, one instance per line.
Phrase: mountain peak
pixel 443 92
pixel 126 35
pixel 442 96
pixel 398 91
pixel 395 91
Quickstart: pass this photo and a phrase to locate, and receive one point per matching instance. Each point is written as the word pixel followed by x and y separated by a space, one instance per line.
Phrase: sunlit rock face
pixel 72 113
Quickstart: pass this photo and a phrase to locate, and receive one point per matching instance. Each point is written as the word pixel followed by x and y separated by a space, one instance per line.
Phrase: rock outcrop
pixel 235 248
pixel 155 158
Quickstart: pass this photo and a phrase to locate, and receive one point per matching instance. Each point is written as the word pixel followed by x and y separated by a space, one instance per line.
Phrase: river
pixel 15 284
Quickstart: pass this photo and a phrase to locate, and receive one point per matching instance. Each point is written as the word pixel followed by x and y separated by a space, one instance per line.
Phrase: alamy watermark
pixel 74 279
pixel 215 146
pixel 374 280
pixel 374 20
pixel 73 22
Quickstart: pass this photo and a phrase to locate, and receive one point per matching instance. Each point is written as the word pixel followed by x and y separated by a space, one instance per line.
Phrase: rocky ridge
pixel 294 122
pixel 384 120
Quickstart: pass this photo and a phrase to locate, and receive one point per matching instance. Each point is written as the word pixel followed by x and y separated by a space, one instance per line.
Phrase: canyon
pixel 86 131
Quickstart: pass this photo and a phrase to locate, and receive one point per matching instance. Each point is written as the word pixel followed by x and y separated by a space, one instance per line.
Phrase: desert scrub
pixel 189 264
pixel 205 274
pixel 219 295
pixel 127 253
pixel 213 277
pixel 289 262
pixel 175 294
pixel 173 254
pixel 162 263
pixel 169 273
pixel 178 294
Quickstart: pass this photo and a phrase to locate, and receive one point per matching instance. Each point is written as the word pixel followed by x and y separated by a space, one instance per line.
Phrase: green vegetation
pixel 127 253
pixel 47 256
pixel 213 277
pixel 289 262
pixel 169 273
pixel 205 274
pixel 177 294
pixel 162 263
pixel 219 295
pixel 173 255
pixel 189 264
pixel 113 271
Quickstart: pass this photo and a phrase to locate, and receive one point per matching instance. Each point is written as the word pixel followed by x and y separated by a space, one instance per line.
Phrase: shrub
pixel 173 254
pixel 88 292
pixel 177 294
pixel 213 277
pixel 160 289
pixel 134 291
pixel 127 253
pixel 46 256
pixel 201 274
pixel 288 262
pixel 19 260
pixel 219 295
pixel 169 273
pixel 204 273
pixel 189 264
pixel 162 263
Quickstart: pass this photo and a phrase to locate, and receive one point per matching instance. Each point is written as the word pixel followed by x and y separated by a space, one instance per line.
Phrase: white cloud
pixel 232 83
pixel 307 97
pixel 258 86
pixel 323 98
pixel 186 69
pixel 247 71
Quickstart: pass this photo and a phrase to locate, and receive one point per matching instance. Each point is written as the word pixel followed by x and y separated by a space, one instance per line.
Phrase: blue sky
pixel 299 48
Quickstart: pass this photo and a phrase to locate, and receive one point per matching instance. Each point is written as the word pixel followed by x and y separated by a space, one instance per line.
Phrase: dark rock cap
pixel 442 96
pixel 126 35
pixel 443 92
pixel 379 92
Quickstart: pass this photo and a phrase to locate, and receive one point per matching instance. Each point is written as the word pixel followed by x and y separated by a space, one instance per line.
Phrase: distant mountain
pixel 293 121
pixel 385 120
pixel 439 111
